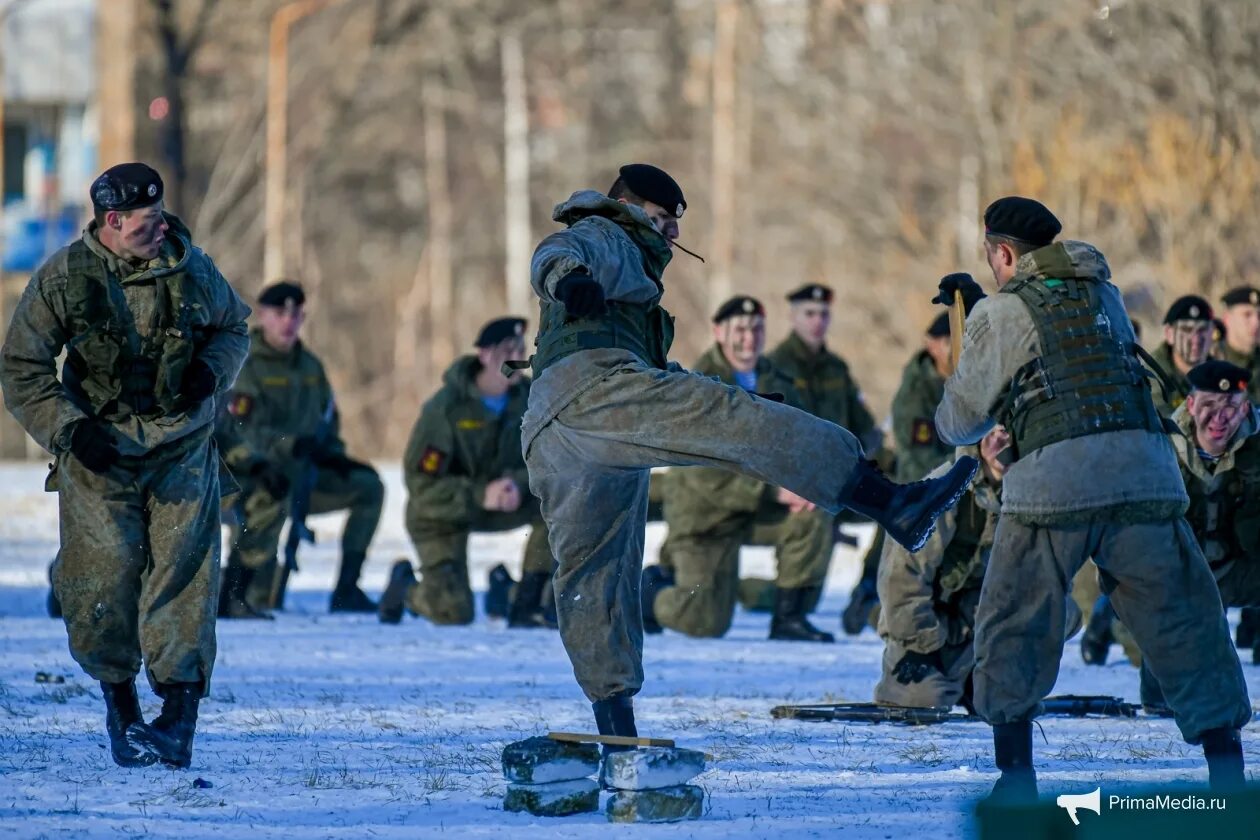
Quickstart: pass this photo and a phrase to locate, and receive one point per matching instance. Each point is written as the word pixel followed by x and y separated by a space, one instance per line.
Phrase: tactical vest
pixel 963 552
pixel 1084 382
pixel 1230 513
pixel 646 330
pixel 101 367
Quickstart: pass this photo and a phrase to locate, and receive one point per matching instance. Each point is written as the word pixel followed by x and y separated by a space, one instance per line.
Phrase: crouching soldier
pixel 465 472
pixel 711 512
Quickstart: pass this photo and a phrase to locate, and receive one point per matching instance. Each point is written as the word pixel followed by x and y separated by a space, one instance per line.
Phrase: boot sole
pixel 944 506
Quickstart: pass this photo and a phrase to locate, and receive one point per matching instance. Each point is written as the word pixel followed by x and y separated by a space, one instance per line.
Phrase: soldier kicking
pixel 606 406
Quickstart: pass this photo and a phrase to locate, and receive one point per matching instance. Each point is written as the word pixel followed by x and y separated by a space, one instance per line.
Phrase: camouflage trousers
pixel 1159 585
pixel 590 465
pixel 706 566
pixel 443 594
pixel 137 573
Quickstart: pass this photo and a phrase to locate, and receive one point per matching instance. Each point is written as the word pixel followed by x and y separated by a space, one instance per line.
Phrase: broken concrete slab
pixel 651 768
pixel 683 802
pixel 541 760
pixel 555 799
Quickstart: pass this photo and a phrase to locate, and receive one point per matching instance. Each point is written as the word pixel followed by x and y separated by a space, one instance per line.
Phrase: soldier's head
pixel 992 445
pixel 501 340
pixel 739 328
pixel 655 191
pixel 127 211
pixel 1242 318
pixel 281 312
pixel 810 311
pixel 1014 226
pixel 1217 403
pixel 1188 330
pixel 936 343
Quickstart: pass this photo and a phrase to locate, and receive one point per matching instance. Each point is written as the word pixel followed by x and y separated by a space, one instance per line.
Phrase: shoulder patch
pixel 240 405
pixel 432 460
pixel 922 432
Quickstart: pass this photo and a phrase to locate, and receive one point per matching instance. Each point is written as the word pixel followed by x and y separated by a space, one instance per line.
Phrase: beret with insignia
pixel 647 181
pixel 940 326
pixel 1219 377
pixel 1021 219
pixel 738 305
pixel 127 186
pixel 498 330
pixel 1242 295
pixel 282 294
pixel 816 292
pixel 1188 308
pixel 1219 331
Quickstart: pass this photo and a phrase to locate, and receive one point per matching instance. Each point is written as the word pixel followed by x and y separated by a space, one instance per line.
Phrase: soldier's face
pixel 938 349
pixel 1190 340
pixel 665 222
pixel 1216 418
pixel 742 338
pixel 140 232
pixel 1242 325
pixel 281 325
pixel 810 320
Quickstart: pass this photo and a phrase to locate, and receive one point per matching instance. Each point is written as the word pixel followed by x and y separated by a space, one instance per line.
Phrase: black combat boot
pixel 1248 633
pixel 1012 750
pixel 170 735
pixel 232 588
pixel 498 592
pixel 347 597
pixel 394 598
pixel 614 716
pixel 908 512
pixel 122 709
pixel 527 602
pixel 857 614
pixel 1097 638
pixel 654 579
pixel 790 623
pixel 1223 750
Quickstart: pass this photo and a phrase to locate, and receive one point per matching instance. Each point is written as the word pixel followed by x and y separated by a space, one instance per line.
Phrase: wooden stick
pixel 957 325
pixel 611 740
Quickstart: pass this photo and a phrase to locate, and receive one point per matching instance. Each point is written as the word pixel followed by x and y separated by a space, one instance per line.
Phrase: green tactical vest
pixel 646 330
pixel 1084 382
pixel 101 367
pixel 962 553
pixel 1230 513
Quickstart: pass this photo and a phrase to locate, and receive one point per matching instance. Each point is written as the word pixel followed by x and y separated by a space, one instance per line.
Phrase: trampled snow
pixel 333 726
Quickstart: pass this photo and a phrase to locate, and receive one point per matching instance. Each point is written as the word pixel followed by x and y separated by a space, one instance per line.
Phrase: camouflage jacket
pixel 1180 384
pixel 174 309
pixel 827 388
pixel 1249 362
pixel 705 500
pixel 278 398
pixel 919 448
pixel 458 446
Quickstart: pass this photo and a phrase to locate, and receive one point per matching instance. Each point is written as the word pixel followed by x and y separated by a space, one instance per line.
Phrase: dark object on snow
pixel 43 677
pixel 202 783
pixel 1069 705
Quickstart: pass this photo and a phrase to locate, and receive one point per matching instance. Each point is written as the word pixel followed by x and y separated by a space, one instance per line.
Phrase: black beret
pixel 739 305
pixel 1188 308
pixel 1219 377
pixel 281 294
pixel 646 181
pixel 1242 294
pixel 812 292
pixel 1021 219
pixel 940 326
pixel 127 186
pixel 498 330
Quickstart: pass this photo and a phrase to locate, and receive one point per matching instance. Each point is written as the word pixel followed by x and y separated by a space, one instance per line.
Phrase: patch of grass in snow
pixel 65 693
pixel 1077 751
pixel 922 753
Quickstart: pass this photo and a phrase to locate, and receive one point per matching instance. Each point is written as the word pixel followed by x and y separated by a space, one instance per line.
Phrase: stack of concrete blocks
pixel 650 785
pixel 549 778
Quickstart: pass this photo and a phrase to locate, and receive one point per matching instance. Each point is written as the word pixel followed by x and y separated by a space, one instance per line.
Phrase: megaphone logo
pixel 1071 801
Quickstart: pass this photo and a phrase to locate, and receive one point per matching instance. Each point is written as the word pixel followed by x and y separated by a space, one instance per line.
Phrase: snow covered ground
pixel 321 726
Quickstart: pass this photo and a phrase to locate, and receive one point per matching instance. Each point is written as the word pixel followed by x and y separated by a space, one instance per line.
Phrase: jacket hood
pixel 1065 260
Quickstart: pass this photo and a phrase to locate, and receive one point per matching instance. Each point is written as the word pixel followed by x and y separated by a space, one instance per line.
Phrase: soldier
pixel 465 472
pixel 920 449
pixel 1091 474
pixel 153 336
pixel 606 407
pixel 1187 342
pixel 281 416
pixel 711 512
pixel 1242 334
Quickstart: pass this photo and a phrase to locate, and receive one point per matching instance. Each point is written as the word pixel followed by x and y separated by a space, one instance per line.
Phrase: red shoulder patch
pixel 240 405
pixel 923 432
pixel 432 460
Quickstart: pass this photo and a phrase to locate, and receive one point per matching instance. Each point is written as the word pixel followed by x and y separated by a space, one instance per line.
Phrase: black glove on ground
pixel 914 667
pixel 963 284
pixel 272 479
pixel 93 445
pixel 199 382
pixel 581 295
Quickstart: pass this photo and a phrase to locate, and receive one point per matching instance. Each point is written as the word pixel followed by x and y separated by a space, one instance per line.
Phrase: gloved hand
pixel 581 295
pixel 199 382
pixel 93 445
pixel 963 284
pixel 272 479
pixel 914 666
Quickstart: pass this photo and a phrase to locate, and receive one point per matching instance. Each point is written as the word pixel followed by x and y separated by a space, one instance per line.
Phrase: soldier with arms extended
pixel 1052 358
pixel 280 418
pixel 606 406
pixel 153 336
pixel 711 512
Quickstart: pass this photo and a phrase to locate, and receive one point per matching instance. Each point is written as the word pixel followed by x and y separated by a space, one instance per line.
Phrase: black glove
pixel 93 445
pixel 962 283
pixel 199 382
pixel 272 479
pixel 914 667
pixel 582 296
